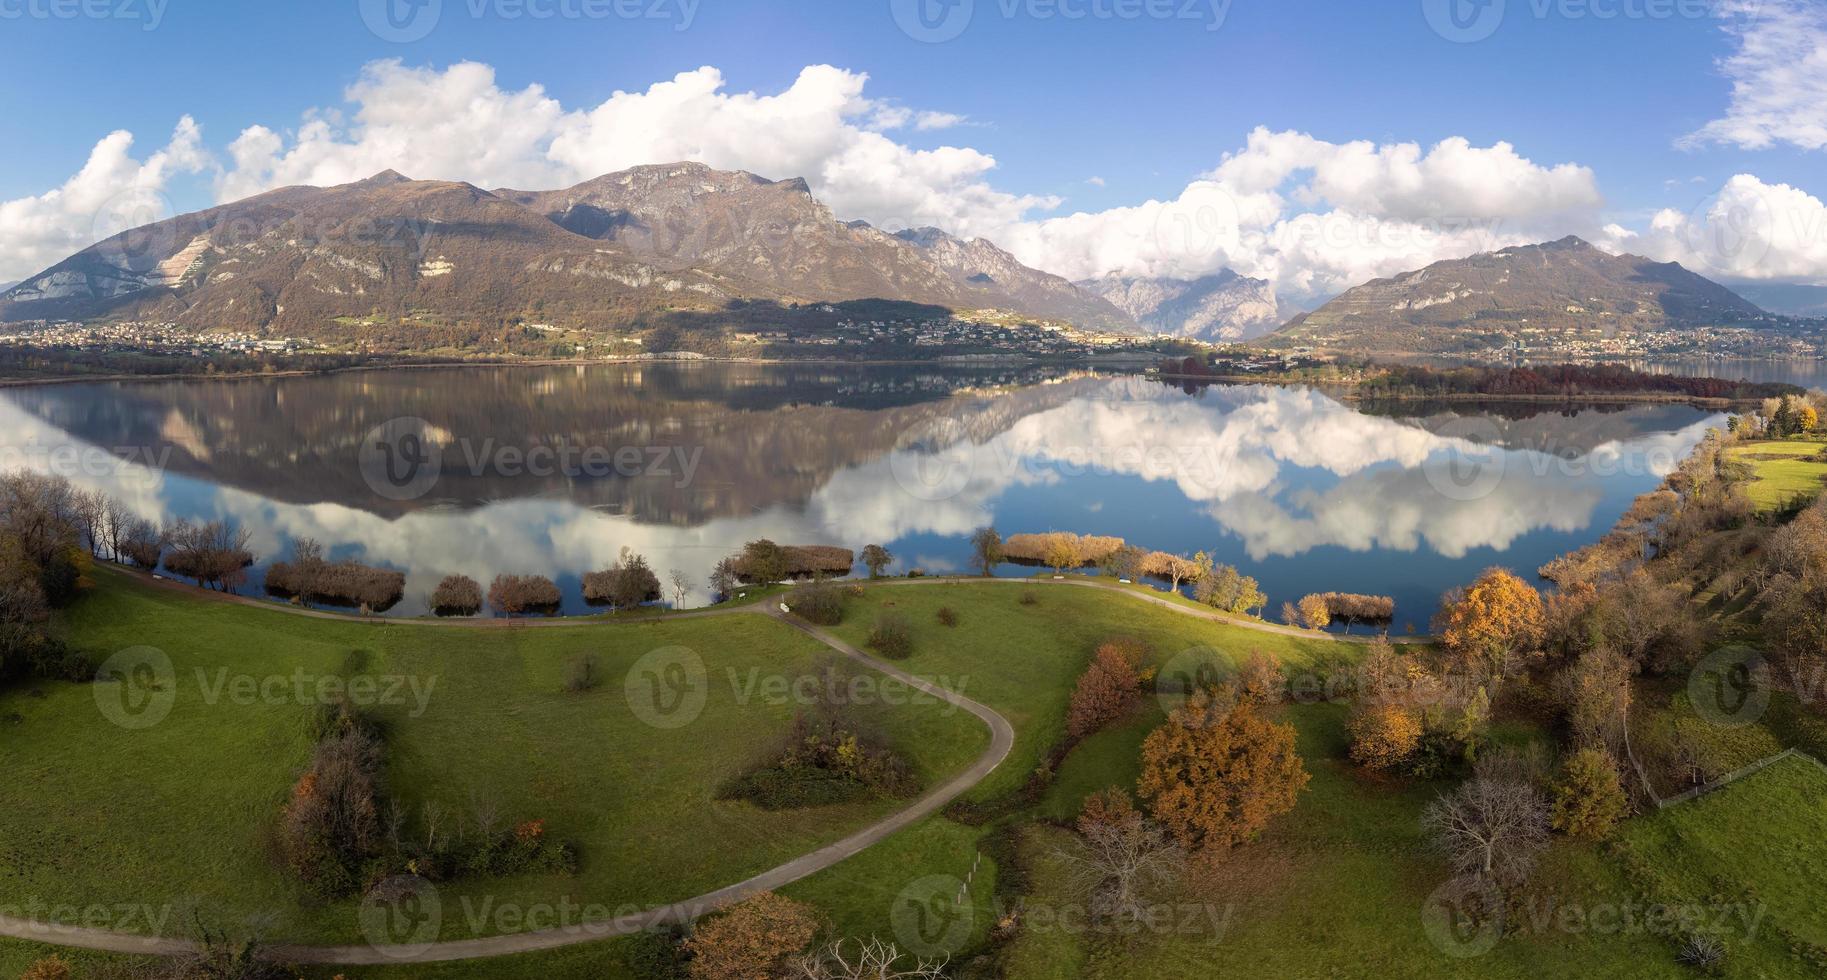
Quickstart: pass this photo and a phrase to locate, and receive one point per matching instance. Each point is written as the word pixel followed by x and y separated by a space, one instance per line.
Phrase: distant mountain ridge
pixel 1220 308
pixel 1562 288
pixel 658 238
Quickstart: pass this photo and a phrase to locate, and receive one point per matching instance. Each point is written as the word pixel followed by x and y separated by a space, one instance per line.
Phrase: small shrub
pixel 657 954
pixel 948 616
pixel 818 602
pixel 891 637
pixel 1704 953
pixel 1028 598
pixel 581 674
pixel 52 967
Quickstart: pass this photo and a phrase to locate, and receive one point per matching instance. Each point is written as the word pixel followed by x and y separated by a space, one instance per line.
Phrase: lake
pixel 554 470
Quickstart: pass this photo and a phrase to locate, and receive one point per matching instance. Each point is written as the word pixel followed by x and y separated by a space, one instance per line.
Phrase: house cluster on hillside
pixel 1725 341
pixel 142 336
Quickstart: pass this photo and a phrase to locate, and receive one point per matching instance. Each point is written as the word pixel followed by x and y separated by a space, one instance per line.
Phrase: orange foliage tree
pixel 1216 772
pixel 1107 691
pixel 1492 621
pixel 752 940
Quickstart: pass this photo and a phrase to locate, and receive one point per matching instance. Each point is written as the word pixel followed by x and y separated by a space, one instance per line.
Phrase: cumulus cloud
pixel 1314 217
pixel 1750 231
pixel 1310 215
pixel 1778 75
pixel 459 124
pixel 111 193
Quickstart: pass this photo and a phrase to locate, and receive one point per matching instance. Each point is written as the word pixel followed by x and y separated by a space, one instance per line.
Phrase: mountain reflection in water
pixel 554 470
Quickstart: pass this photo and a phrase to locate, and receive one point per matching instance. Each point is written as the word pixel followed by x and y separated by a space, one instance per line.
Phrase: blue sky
pixel 1144 103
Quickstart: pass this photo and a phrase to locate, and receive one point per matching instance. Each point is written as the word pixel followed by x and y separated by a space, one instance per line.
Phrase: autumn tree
pixel 1588 797
pixel 751 940
pixel 986 550
pixel 1108 690
pixel 1595 697
pixel 877 559
pixel 1216 772
pixel 1123 856
pixel 1062 552
pixel 1488 624
pixel 1260 680
pixel 1315 612
pixel 1383 735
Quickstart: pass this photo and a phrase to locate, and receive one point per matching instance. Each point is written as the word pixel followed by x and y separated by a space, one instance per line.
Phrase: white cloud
pixel 111 193
pixel 1750 231
pixel 1316 217
pixel 458 124
pixel 1778 75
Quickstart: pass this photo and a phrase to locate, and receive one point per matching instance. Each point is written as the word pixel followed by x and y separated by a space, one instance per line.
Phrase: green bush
pixel 818 602
pixel 581 674
pixel 891 637
pixel 657 954
pixel 948 616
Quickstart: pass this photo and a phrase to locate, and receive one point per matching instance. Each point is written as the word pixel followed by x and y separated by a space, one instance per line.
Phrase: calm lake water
pixel 554 470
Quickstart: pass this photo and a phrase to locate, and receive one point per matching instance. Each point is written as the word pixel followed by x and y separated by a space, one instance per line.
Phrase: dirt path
pixel 1002 739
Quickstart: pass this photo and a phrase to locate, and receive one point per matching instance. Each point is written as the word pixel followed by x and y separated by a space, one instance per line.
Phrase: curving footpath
pixel 1002 740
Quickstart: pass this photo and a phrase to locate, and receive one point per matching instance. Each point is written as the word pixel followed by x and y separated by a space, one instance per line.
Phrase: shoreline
pixel 961 361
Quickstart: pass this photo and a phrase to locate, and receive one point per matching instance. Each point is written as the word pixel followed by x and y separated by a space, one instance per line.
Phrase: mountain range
pixel 1567 288
pixel 297 260
pixel 1220 308
pixel 620 250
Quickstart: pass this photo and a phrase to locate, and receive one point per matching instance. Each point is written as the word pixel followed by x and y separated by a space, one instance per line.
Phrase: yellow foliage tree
pixel 1489 623
pixel 1383 736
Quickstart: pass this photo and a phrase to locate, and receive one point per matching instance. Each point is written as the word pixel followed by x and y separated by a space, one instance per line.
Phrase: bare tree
pixel 117 520
pixel 872 960
pixel 88 508
pixel 1123 860
pixel 681 584
pixel 1491 828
